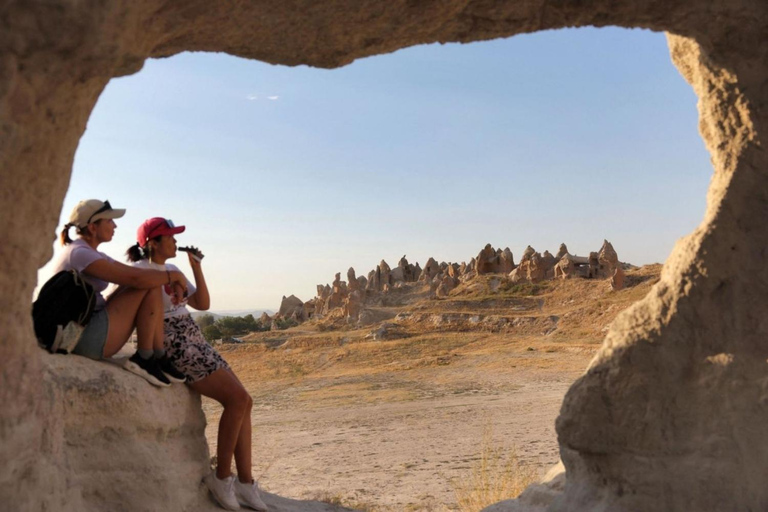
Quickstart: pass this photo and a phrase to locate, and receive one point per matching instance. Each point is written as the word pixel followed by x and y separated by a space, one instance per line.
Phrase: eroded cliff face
pixel 670 413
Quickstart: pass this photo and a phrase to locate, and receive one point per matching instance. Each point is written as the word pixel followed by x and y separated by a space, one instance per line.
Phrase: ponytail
pixel 64 235
pixel 135 253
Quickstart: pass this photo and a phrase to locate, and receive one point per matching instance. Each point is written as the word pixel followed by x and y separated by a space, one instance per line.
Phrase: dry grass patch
pixel 356 393
pixel 497 475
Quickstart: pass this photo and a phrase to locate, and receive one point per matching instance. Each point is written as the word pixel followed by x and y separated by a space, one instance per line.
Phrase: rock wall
pixel 670 413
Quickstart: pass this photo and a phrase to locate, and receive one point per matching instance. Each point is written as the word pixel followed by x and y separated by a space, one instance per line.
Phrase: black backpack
pixel 63 307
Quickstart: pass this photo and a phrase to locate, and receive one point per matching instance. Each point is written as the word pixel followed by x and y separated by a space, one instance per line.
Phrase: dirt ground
pixel 397 440
pixel 390 416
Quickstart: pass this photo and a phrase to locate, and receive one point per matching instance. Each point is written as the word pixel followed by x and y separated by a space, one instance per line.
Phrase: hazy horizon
pixel 285 176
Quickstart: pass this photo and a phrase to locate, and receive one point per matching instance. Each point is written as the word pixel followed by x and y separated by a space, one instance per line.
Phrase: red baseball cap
pixel 156 226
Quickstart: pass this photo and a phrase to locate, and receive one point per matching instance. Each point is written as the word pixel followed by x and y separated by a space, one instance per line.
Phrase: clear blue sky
pixel 285 176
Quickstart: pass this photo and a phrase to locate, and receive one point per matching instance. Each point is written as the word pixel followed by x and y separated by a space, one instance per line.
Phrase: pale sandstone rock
pixel 445 286
pixel 490 261
pixel 561 252
pixel 416 272
pixel 506 261
pixel 431 269
pixel 548 263
pixel 353 305
pixel 536 268
pixel 527 253
pixel 292 306
pixel 273 326
pixel 607 260
pixel 565 267
pixel 334 300
pixel 628 439
pixel 408 270
pixel 352 280
pixel 485 261
pixel 523 270
pixel 310 308
pixel 617 280
pixel 385 273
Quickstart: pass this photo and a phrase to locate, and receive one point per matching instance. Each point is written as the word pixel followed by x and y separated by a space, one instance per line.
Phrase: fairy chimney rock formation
pixel 548 263
pixel 565 267
pixel 353 305
pixel 385 275
pixel 506 262
pixel 617 280
pixel 416 271
pixel 292 305
pixel 608 260
pixel 444 286
pixel 561 252
pixel 407 270
pixel 431 269
pixel 352 280
pixel 485 261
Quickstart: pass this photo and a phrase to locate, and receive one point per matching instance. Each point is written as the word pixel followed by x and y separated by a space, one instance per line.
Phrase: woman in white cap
pixel 138 304
pixel 206 371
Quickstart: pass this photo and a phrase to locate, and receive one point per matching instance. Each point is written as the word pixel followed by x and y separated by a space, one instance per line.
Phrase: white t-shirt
pixel 170 309
pixel 77 256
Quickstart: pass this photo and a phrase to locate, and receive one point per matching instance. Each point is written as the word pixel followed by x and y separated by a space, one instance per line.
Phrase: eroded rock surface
pixel 112 439
pixel 653 425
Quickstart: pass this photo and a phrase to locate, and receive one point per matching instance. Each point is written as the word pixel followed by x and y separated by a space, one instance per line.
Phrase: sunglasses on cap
pixel 104 208
pixel 168 223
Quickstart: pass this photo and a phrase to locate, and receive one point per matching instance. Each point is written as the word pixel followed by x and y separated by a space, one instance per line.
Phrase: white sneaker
pixel 248 496
pixel 222 491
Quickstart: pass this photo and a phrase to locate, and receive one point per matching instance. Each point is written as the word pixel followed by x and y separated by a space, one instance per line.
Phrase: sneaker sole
pixel 138 370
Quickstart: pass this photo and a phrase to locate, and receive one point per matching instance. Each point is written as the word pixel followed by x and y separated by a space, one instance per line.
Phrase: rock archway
pixel 671 413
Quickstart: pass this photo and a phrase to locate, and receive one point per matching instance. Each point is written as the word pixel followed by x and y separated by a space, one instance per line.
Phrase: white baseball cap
pixel 92 210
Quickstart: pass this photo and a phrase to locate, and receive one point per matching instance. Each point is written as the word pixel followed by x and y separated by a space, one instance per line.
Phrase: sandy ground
pixel 397 441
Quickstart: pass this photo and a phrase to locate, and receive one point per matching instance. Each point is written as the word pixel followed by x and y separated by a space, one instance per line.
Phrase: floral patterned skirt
pixel 188 351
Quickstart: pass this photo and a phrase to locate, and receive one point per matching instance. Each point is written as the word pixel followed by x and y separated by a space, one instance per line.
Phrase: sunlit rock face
pixel 112 441
pixel 656 423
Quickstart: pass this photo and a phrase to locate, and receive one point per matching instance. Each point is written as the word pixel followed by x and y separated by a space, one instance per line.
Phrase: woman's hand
pixel 178 284
pixel 195 255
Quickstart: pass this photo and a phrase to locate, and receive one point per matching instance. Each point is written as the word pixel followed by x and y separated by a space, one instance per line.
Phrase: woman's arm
pixel 132 277
pixel 201 299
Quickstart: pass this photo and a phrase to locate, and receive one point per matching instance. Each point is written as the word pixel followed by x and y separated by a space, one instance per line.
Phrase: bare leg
pixel 133 307
pixel 243 453
pixel 224 387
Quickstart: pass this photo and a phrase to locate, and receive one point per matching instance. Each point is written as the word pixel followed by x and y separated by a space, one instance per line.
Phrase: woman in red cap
pixel 205 370
pixel 136 305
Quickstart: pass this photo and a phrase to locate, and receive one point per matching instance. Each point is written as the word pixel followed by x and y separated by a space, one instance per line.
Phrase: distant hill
pixel 232 312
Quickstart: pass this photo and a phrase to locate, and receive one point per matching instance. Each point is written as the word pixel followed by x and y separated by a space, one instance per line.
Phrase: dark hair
pixel 64 235
pixel 137 253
